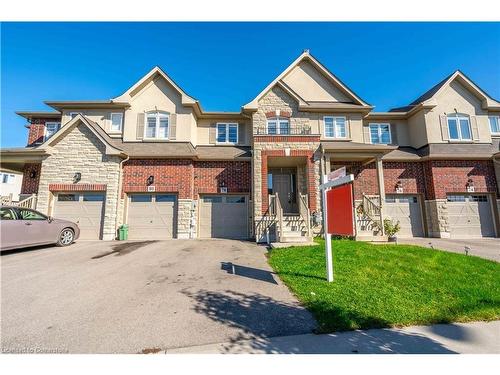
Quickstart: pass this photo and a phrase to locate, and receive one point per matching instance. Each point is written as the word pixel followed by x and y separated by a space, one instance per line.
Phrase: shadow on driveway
pixel 250 272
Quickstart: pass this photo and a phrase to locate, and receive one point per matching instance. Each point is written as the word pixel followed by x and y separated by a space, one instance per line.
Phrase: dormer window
pixel 334 127
pixel 459 127
pixel 278 125
pixel 156 125
pixel 116 122
pixel 227 133
pixel 380 133
pixel 51 128
pixel 494 125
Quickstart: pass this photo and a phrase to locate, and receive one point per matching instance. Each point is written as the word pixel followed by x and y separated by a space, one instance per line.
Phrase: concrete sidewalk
pixel 466 338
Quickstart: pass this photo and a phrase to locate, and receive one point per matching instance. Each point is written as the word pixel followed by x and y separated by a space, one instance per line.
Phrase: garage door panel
pixel 152 216
pixel 224 216
pixel 406 210
pixel 85 209
pixel 470 216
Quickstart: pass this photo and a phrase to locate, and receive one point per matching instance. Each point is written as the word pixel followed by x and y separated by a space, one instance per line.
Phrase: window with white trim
pixel 335 127
pixel 156 125
pixel 116 122
pixel 380 133
pixel 459 127
pixel 227 133
pixel 6 178
pixel 51 128
pixel 278 125
pixel 494 124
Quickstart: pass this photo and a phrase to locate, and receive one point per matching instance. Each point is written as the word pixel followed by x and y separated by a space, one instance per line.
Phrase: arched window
pixel 278 125
pixel 156 125
pixel 459 127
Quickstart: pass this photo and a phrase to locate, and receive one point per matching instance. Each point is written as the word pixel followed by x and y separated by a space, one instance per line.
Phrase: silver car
pixel 23 227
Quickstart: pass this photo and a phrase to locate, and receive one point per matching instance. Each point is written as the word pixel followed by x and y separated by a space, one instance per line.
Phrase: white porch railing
pixel 279 217
pixel 29 202
pixel 305 212
pixel 373 210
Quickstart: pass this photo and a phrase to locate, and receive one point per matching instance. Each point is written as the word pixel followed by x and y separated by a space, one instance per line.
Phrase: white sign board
pixel 151 188
pixel 337 173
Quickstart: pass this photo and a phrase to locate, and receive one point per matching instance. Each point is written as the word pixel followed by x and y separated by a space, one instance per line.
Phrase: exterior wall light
pixel 399 187
pixel 223 187
pixel 150 180
pixel 470 186
pixel 33 174
pixel 77 177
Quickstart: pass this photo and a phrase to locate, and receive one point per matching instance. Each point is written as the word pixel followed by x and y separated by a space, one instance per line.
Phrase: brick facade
pixel 451 176
pixel 187 177
pixel 30 184
pixel 36 131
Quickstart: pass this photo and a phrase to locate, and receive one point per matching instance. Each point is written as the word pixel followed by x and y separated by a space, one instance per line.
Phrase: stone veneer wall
pixel 81 151
pixel 436 216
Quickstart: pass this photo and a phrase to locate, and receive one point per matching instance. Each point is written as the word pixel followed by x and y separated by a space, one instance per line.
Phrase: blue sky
pixel 225 65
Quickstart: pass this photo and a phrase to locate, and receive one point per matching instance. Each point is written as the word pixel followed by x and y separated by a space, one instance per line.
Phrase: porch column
pixel 381 189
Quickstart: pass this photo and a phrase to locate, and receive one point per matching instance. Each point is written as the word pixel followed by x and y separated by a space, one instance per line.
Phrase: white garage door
pixel 85 209
pixel 224 216
pixel 407 210
pixel 152 216
pixel 470 216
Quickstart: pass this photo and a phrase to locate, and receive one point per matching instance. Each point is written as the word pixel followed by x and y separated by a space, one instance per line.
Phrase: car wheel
pixel 66 237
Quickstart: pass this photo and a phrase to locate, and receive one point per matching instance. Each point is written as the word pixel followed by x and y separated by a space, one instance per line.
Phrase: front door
pixel 282 184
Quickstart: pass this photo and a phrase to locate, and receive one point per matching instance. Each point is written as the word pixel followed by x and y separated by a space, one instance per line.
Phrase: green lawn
pixel 389 285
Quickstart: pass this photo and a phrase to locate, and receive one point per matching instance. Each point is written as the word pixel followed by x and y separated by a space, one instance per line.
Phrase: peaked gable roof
pixel 427 98
pixel 156 71
pixel 306 56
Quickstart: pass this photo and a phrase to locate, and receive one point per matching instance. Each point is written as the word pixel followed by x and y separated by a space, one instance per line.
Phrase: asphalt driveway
pixel 133 297
pixel 488 248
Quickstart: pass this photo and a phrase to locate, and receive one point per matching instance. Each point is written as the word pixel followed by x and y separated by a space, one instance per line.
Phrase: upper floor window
pixel 278 125
pixel 51 128
pixel 227 133
pixel 459 127
pixel 7 178
pixel 156 125
pixel 494 124
pixel 335 127
pixel 116 122
pixel 380 133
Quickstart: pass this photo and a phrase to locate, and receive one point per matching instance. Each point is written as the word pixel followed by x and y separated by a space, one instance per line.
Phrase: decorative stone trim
pixel 287 138
pixel 77 187
pixel 278 113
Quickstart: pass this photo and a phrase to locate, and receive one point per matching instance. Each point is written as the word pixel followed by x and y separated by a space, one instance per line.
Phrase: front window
pixel 494 124
pixel 335 127
pixel 459 127
pixel 7 178
pixel 116 122
pixel 156 125
pixel 227 133
pixel 278 125
pixel 380 133
pixel 51 128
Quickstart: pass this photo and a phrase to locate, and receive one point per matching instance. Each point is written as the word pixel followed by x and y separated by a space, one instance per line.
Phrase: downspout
pixel 120 176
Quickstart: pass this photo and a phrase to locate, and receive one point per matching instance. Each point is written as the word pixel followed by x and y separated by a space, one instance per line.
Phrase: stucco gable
pixel 307 76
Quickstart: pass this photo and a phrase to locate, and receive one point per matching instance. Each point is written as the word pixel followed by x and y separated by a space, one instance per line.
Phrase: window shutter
pixel 366 133
pixel 348 127
pixel 140 125
pixel 242 134
pixel 474 129
pixel 212 137
pixel 106 122
pixel 394 134
pixel 444 127
pixel 172 127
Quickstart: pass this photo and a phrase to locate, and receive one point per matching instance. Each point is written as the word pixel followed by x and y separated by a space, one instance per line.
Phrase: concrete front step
pixel 295 239
pixel 368 238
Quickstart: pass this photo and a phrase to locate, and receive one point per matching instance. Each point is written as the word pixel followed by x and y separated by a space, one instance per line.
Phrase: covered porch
pixel 364 161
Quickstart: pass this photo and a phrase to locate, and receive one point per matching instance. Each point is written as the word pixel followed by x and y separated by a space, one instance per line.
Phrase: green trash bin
pixel 123 232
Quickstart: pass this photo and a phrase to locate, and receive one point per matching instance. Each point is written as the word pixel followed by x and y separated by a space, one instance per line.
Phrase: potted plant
pixel 390 229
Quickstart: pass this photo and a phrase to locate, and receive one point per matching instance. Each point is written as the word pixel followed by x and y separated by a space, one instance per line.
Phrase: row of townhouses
pixel 152 158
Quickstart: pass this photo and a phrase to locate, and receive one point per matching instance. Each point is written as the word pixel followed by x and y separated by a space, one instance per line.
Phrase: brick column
pixel 264 189
pixel 311 182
